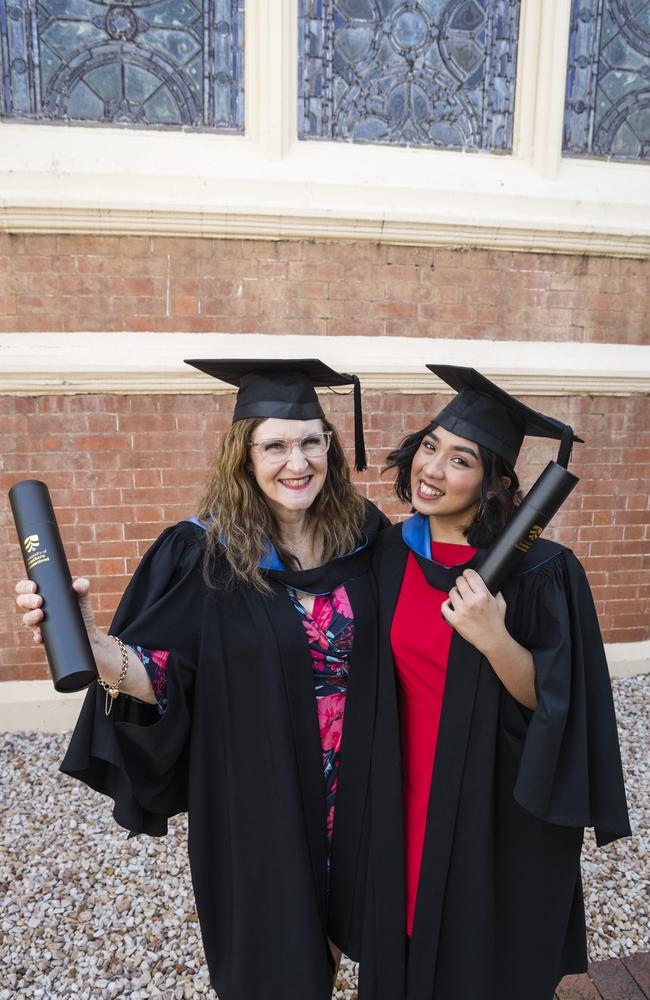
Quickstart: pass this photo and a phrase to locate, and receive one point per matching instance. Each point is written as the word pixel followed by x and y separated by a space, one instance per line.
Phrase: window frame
pixel 269 184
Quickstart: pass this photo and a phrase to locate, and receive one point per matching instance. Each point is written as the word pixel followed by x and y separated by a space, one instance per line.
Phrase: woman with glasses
pixel 243 649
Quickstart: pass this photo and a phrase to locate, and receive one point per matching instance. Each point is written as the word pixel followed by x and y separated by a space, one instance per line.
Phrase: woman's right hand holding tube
pixel 105 651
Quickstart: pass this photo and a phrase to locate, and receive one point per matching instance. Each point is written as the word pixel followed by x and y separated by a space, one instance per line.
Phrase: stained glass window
pixel 409 72
pixel 607 109
pixel 165 63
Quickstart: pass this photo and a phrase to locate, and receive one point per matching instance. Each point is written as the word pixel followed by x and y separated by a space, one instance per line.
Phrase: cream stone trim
pixel 271 71
pixel 42 363
pixel 539 113
pixel 36 706
pixel 626 659
pixel 572 236
pixel 269 185
pixel 528 73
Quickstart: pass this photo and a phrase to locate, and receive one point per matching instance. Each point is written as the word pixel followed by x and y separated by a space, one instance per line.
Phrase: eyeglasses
pixel 278 450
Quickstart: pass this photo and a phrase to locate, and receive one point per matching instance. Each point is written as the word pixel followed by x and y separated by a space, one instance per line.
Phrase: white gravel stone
pixel 88 913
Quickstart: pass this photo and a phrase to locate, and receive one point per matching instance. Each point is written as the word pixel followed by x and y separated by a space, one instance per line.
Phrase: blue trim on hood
pixel 417 536
pixel 270 559
pixel 198 522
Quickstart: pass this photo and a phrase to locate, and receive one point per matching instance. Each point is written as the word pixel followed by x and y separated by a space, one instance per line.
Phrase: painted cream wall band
pixel 42 363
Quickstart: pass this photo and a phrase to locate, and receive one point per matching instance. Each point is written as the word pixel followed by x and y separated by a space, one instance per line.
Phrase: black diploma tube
pixel 543 500
pixel 69 655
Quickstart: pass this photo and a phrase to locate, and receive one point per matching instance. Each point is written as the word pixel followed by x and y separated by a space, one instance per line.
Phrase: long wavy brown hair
pixel 240 522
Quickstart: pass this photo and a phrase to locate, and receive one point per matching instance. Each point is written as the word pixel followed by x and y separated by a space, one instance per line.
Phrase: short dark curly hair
pixel 497 502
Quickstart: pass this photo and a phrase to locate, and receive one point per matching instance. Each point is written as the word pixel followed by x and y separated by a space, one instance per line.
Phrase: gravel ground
pixel 83 917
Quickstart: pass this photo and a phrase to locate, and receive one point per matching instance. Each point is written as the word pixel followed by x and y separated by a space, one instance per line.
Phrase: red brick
pixel 454 276
pixel 396 310
pixel 139 286
pixel 626 620
pixel 602 502
pixel 602 533
pixel 584 549
pixel 638 501
pixel 26 263
pixel 185 305
pixel 134 246
pixel 90 265
pixel 40 244
pixel 449 294
pixel 273 269
pixel 526 297
pixel 35 672
pixel 626 635
pixel 93 245
pixel 402 273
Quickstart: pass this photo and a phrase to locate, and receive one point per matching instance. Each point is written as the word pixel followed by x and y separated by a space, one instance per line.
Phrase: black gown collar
pixel 417 537
pixel 324 579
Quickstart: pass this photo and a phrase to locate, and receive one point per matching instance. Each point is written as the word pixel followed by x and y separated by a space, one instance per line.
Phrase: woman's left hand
pixel 475 613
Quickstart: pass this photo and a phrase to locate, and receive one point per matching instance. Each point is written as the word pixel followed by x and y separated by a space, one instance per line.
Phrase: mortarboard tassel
pixel 360 462
pixel 566 447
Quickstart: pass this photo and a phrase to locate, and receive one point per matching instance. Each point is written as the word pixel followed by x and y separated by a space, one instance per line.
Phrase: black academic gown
pixel 499 912
pixel 239 748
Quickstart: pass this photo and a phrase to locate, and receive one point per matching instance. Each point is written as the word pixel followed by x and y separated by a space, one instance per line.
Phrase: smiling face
pixel 290 486
pixel 446 478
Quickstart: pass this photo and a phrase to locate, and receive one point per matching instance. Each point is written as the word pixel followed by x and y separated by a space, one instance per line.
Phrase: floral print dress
pixel 329 630
pixel 329 627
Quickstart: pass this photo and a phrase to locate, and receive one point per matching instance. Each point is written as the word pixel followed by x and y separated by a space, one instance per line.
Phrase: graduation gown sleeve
pixel 570 769
pixel 136 755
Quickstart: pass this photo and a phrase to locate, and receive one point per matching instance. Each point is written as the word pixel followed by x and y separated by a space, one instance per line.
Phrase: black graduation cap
pixel 285 388
pixel 487 414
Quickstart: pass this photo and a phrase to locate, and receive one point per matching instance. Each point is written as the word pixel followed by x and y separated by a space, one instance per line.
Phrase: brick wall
pixel 120 468
pixel 61 283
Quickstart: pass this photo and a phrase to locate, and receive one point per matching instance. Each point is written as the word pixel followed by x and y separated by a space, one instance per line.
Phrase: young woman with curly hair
pixel 504 710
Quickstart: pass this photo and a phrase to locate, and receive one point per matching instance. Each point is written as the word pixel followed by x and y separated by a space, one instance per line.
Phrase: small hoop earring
pixel 480 512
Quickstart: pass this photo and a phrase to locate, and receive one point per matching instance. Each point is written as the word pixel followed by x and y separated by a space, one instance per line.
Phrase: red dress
pixel 420 638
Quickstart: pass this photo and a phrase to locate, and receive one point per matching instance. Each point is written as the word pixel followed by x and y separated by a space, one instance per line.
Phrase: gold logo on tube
pixel 31 543
pixel 525 543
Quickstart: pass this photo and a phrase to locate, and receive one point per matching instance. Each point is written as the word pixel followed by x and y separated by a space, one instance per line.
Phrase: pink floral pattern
pixel 341 602
pixel 154 662
pixel 330 719
pixel 330 632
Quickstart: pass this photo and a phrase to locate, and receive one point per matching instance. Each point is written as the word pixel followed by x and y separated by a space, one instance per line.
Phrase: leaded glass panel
pixel 409 72
pixel 167 63
pixel 607 111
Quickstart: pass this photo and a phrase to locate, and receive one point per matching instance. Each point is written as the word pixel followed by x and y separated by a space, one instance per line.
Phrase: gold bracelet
pixel 112 690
